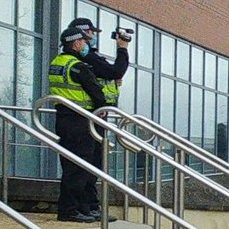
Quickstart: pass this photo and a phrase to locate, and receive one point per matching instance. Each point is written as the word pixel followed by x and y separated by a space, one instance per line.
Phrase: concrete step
pixel 120 224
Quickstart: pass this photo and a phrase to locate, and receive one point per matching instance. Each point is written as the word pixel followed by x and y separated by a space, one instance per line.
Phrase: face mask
pixel 93 41
pixel 85 50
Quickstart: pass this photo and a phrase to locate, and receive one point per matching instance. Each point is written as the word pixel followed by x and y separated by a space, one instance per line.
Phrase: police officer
pixel 70 78
pixel 107 75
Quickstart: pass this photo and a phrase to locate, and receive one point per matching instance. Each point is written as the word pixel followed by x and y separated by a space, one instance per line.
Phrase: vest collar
pixel 71 52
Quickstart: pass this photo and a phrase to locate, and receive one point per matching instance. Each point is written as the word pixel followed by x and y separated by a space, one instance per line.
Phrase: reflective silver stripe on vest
pixel 111 96
pixel 105 82
pixel 67 86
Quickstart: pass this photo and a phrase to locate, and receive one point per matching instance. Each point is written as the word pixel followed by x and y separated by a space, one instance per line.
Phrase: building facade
pixel 177 76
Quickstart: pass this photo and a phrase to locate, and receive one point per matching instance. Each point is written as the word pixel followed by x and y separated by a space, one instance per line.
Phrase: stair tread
pixel 120 224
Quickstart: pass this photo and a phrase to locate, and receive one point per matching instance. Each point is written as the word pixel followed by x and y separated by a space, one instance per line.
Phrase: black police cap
pixel 84 24
pixel 72 34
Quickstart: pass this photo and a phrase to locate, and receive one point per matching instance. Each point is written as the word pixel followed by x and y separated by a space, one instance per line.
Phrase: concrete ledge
pixel 41 195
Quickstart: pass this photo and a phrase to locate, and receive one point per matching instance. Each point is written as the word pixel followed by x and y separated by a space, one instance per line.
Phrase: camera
pixel 122 33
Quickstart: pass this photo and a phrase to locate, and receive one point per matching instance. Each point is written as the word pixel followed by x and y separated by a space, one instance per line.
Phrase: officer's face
pixel 89 33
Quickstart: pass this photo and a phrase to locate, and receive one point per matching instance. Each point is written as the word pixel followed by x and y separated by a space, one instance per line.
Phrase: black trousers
pixel 75 136
pixel 97 162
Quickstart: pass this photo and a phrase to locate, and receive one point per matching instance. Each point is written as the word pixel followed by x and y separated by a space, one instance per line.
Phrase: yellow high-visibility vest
pixel 60 82
pixel 110 90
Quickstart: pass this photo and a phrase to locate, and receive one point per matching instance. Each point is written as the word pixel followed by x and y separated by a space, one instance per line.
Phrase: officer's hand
pixel 102 114
pixel 121 43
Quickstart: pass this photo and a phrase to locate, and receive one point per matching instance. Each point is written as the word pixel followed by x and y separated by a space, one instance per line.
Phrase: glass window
pixel 210 70
pixel 209 121
pixel 37 73
pixel 25 70
pixel 27 159
pixel 87 11
pixel 26 14
pixel 167 103
pixel 30 15
pixel 167 169
pixel 29 74
pixel 140 167
pixel 108 23
pixel 144 93
pixel 197 66
pixel 221 129
pixel 183 60
pixel 196 116
pixel 167 55
pixel 127 91
pixel 7 72
pixel 38 21
pixel 7 11
pixel 145 46
pixel 196 125
pixel 131 47
pixel 29 70
pixel 223 75
pixel 66 18
pixel 182 102
pixel 209 127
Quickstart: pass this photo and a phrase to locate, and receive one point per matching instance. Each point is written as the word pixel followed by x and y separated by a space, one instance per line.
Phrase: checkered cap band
pixel 83 27
pixel 73 37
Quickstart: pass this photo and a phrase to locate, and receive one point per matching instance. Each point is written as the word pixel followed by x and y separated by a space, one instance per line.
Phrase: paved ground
pixel 48 221
pixel 200 219
pixel 45 221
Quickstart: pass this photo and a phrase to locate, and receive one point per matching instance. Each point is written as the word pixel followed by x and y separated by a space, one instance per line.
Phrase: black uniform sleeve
pixel 105 70
pixel 82 75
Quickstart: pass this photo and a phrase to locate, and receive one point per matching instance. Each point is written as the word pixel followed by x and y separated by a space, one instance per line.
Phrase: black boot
pixel 97 214
pixel 76 217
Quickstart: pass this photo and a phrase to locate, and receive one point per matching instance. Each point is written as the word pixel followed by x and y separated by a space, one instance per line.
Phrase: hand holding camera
pixel 121 43
pixel 122 33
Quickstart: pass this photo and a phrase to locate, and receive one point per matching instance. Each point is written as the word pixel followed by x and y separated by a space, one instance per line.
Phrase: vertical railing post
pixel 126 182
pixel 157 217
pixel 104 219
pixel 178 208
pixel 4 162
pixel 175 189
pixel 146 187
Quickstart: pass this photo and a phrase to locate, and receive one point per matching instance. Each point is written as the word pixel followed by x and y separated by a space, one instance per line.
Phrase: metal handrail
pixel 183 141
pixel 15 108
pixel 151 150
pixel 122 124
pixel 17 217
pixel 54 111
pixel 132 139
pixel 87 166
pixel 178 175
pixel 146 124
